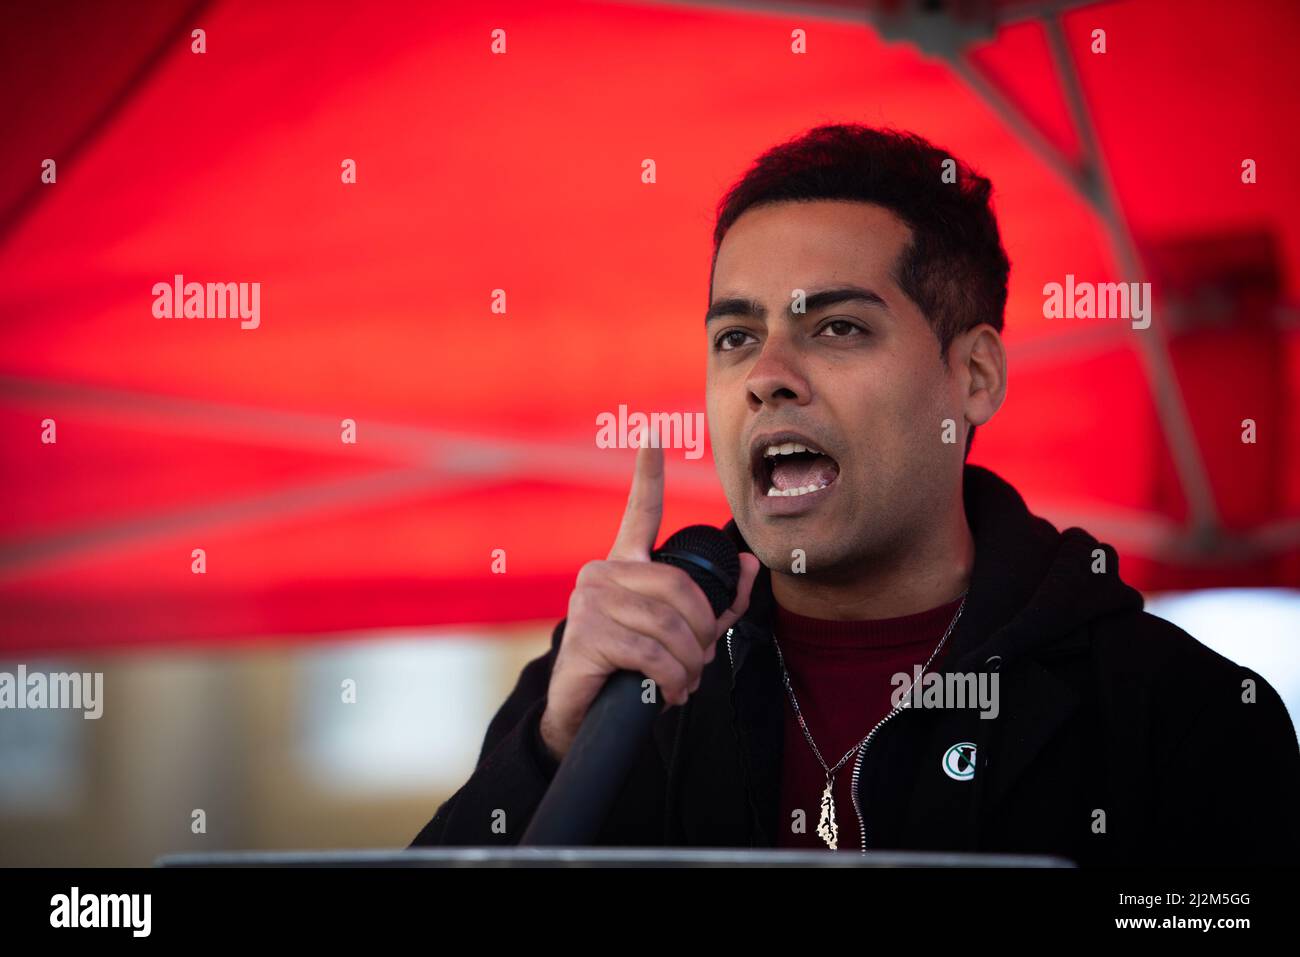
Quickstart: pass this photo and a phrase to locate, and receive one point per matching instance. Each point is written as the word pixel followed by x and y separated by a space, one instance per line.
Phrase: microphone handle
pixel 596 765
pixel 612 733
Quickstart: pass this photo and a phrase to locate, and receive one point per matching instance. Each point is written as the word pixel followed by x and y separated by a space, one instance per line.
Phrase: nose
pixel 776 376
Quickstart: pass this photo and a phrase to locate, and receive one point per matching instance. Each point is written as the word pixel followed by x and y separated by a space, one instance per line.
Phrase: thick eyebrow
pixel 752 309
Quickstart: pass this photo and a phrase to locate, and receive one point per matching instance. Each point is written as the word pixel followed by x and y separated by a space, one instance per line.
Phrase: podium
pixel 605 857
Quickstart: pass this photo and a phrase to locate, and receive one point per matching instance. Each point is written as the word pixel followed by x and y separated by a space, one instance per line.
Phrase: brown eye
pixel 844 329
pixel 725 342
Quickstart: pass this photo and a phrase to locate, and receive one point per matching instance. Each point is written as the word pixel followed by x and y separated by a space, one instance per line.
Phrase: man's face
pixel 861 380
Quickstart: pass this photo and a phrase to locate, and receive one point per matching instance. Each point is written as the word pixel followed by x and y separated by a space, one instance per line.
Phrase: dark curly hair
pixel 954 269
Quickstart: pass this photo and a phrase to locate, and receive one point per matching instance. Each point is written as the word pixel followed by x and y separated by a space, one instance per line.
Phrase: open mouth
pixel 791 468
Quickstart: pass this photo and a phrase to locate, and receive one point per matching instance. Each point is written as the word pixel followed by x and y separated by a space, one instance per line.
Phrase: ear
pixel 979 360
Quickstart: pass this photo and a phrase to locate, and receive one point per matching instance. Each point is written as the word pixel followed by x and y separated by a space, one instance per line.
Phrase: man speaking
pixel 913 660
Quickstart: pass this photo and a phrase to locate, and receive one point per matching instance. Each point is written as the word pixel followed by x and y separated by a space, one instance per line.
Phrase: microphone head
pixel 710 558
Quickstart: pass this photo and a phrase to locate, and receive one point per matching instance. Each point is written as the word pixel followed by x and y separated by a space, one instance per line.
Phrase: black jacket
pixel 1120 739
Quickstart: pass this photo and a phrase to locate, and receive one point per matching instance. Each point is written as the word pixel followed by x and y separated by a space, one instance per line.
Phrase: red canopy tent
pixel 480 171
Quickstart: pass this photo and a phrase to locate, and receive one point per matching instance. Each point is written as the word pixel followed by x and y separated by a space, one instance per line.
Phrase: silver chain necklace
pixel 827 829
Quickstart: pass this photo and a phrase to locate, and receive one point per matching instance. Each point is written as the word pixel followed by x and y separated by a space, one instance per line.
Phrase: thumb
pixel 749 567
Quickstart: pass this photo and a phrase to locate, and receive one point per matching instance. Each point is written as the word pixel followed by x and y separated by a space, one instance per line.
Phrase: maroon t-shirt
pixel 840 672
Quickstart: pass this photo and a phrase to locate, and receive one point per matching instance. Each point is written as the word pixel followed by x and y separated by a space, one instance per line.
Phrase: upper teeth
pixel 789 448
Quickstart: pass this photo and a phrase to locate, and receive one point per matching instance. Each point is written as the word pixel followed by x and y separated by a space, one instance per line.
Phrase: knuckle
pixel 616 571
pixel 655 654
pixel 682 583
pixel 667 621
pixel 690 640
pixel 632 649
pixel 580 600
pixel 591 572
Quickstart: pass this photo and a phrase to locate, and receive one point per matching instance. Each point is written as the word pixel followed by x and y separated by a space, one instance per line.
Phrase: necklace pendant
pixel 827 830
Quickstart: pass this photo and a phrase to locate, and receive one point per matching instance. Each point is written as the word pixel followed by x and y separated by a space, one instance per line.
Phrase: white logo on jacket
pixel 959 761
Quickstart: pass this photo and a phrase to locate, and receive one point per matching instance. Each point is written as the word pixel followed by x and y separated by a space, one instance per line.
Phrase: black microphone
pixel 619 721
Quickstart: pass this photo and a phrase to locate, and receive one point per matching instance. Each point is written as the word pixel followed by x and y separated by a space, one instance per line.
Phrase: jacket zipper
pixel 857 763
pixel 857 771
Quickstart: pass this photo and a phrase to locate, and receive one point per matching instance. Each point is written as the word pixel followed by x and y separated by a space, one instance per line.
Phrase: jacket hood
pixel 1031 589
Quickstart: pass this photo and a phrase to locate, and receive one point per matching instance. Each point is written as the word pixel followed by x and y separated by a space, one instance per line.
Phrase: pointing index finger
pixel 645 503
